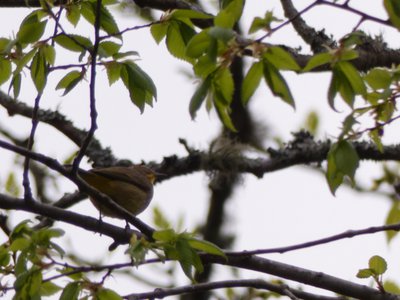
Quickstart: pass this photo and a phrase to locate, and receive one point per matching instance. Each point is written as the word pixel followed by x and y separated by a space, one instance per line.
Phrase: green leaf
pixel 107 294
pixel 5 256
pixel 258 24
pixel 378 78
pixel 19 244
pixel 5 70
pixel 35 284
pixel 377 265
pixel 31 31
pixel 223 112
pixel 348 54
pixel 16 84
pixel 137 251
pixel 352 39
pixel 230 14
pixel 69 81
pixel 353 77
pixel 348 124
pixel 73 13
pixel 333 89
pixel 199 97
pixel 364 273
pixel 142 79
pixel 107 22
pixel 393 217
pixel 140 86
pixel 346 90
pixel 71 291
pixel 341 83
pixel 204 66
pixel 39 71
pixel 318 60
pixel 376 137
pixel 166 235
pixel 187 258
pixel 44 235
pixel 222 34
pixel 391 287
pixel 21 229
pixel 49 288
pixel 6 45
pixel 223 85
pixel 27 285
pixel 159 219
pixel 49 54
pixel 206 247
pixel 312 122
pixel 346 158
pixel 159 31
pixel 188 14
pixel 73 42
pixel 343 161
pixel 281 59
pixel 178 36
pixel 113 71
pixel 108 48
pixel 263 23
pixel 199 44
pixel 251 81
pixel 21 265
pixel 393 9
pixel 121 55
pixel 25 60
pixel 277 83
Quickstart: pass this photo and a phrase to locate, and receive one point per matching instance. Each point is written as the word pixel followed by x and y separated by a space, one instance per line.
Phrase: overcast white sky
pixel 283 208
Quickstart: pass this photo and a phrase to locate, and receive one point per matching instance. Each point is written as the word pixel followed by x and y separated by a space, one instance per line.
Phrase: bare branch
pixel 92 90
pixel 317 40
pixel 364 17
pixel 121 235
pixel 344 235
pixel 100 155
pixel 249 283
pixel 305 276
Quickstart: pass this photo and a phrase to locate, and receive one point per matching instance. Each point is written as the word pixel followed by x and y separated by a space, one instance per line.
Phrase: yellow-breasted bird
pixel 130 187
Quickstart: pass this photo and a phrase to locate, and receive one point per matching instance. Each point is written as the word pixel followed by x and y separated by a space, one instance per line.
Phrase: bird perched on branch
pixel 129 187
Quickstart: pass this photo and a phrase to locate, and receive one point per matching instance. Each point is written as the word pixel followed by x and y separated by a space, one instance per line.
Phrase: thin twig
pixel 35 122
pixel 344 235
pixel 92 90
pixel 288 21
pixel 365 16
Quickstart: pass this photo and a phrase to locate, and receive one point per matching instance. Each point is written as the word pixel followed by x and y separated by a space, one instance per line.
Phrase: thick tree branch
pixel 247 283
pixel 101 156
pixel 27 3
pixel 120 235
pixel 155 4
pixel 317 40
pixel 305 276
pixel 303 150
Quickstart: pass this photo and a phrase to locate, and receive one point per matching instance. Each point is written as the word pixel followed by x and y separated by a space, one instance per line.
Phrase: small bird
pixel 130 187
